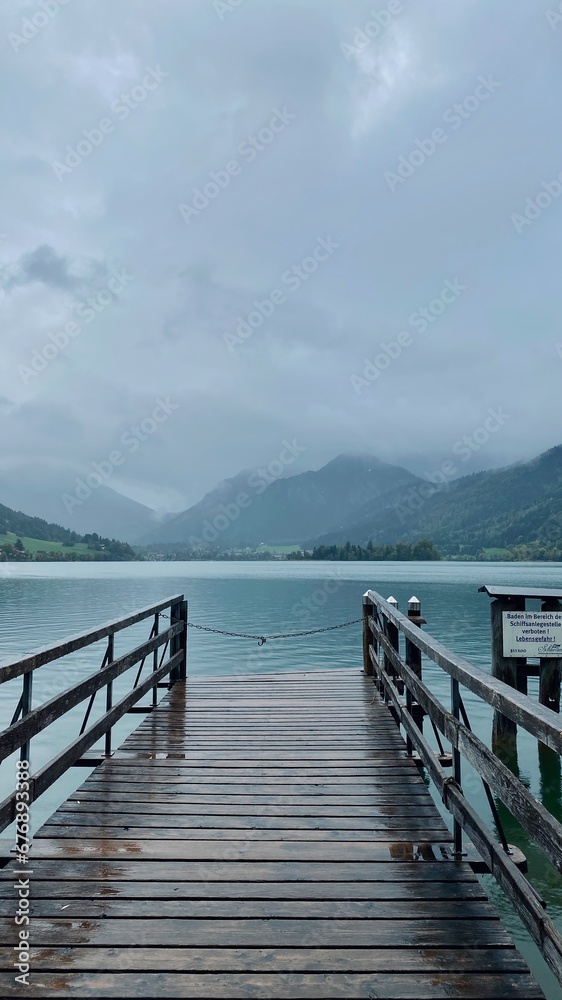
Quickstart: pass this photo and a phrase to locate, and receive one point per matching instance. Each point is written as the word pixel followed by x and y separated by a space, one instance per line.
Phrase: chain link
pixel 262 639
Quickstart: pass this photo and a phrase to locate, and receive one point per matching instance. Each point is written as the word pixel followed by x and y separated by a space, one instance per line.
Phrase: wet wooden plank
pixel 255 780
pixel 259 933
pixel 413 795
pixel 247 745
pixel 86 810
pixel 281 985
pixel 240 909
pixel 230 821
pixel 416 866
pixel 171 770
pixel 253 739
pixel 261 758
pixel 213 850
pixel 327 739
pixel 294 787
pixel 489 961
pixel 353 724
pixel 317 715
pixel 244 704
pixel 149 891
pixel 316 834
pixel 182 764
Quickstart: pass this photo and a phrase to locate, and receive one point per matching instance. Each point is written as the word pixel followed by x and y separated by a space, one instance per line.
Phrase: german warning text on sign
pixel 532 633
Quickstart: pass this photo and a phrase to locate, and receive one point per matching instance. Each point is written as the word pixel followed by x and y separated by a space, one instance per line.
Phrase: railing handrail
pixel 46 654
pixel 508 787
pixel 40 718
pixel 537 719
pixel 28 722
pixel 396 675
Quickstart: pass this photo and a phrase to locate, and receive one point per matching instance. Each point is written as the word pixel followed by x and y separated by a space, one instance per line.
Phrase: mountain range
pixel 248 510
pixel 355 497
pixel 519 505
pixel 358 498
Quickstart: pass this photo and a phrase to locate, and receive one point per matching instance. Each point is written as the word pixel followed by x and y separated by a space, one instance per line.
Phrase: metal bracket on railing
pixel 448 782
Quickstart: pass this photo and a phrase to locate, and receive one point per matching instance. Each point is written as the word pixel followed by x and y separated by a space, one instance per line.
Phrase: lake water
pixel 43 603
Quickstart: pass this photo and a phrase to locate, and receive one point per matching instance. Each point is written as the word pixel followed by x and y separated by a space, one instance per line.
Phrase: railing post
pixel 457 775
pixel 109 692
pixel 391 632
pixel 178 613
pixel 414 660
pixel 367 635
pixel 392 636
pixel 394 639
pixel 26 698
pixel 155 660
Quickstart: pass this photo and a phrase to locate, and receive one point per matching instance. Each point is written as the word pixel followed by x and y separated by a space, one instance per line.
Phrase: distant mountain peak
pixel 517 506
pixel 355 457
pixel 285 510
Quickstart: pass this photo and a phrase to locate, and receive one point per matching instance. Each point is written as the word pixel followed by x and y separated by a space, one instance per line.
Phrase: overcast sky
pixel 303 110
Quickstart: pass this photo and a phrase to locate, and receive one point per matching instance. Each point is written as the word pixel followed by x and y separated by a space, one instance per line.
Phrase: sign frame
pixel 532 634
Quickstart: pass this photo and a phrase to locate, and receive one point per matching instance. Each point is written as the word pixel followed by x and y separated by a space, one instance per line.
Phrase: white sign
pixel 532 633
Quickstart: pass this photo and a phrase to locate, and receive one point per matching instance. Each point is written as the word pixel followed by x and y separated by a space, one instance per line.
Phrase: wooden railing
pixel 167 648
pixel 400 683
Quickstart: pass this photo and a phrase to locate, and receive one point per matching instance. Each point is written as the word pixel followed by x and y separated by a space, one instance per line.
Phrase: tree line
pixel 424 550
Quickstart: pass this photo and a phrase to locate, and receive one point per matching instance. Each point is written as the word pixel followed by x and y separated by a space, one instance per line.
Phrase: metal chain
pixel 262 639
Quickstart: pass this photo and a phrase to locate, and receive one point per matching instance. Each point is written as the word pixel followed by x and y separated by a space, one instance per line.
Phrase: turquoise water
pixel 43 603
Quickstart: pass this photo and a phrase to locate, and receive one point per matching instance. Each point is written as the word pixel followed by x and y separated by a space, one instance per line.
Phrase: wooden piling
pixel 510 669
pixel 550 670
pixel 178 613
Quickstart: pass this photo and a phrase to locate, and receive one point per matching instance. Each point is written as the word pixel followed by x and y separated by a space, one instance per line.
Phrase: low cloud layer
pixel 169 174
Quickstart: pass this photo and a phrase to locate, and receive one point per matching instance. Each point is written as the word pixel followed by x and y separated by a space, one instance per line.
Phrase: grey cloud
pixel 46 266
pixel 323 175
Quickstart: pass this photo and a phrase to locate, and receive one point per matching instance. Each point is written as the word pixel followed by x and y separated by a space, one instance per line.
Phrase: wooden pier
pixel 262 836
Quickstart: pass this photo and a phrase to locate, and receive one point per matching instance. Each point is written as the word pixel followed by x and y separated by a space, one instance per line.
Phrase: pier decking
pixel 258 836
